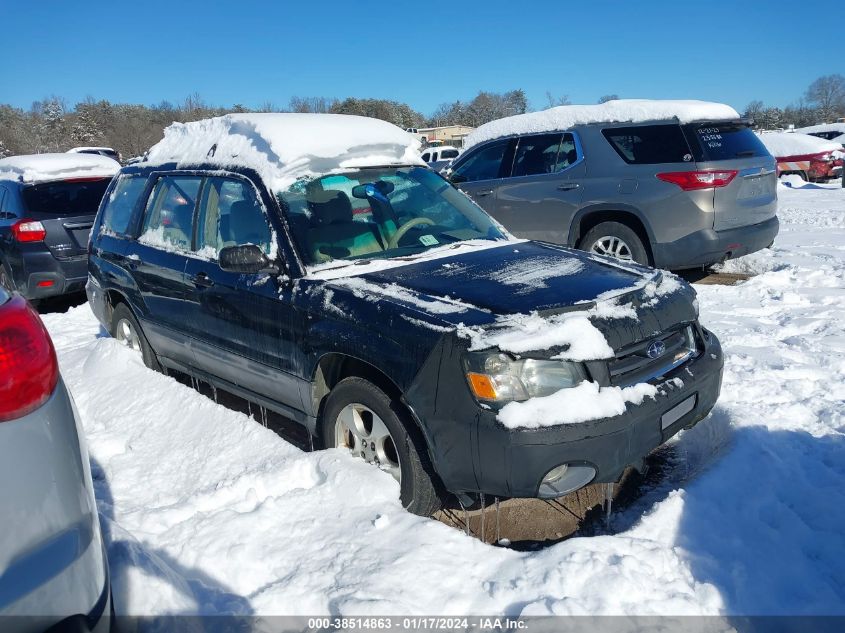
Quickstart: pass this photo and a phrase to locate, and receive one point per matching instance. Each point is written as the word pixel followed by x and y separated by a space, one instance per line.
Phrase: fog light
pixel 565 478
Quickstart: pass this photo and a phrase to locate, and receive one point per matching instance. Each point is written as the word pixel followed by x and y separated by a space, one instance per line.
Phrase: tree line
pixel 51 125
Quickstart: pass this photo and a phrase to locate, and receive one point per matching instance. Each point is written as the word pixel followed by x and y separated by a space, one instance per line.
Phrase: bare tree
pixel 827 93
pixel 606 98
pixel 557 101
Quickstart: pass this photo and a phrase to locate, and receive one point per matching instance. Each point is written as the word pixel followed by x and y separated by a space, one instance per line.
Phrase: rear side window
pixel 724 141
pixel 448 153
pixel 649 144
pixel 117 214
pixel 168 220
pixel 484 164
pixel 230 215
pixel 63 198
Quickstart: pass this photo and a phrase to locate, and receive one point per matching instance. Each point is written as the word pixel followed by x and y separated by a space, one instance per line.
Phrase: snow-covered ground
pixel 208 512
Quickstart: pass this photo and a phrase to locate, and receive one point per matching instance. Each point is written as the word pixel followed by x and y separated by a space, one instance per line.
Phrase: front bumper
pixel 483 456
pixel 707 247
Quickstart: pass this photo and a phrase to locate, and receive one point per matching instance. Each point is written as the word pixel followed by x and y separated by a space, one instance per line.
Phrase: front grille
pixel 633 365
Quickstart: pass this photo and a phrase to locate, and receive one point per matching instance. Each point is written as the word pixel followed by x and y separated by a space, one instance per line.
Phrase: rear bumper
pixel 707 246
pixel 38 274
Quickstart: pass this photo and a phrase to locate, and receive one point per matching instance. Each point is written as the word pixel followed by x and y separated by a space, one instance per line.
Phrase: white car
pixel 440 157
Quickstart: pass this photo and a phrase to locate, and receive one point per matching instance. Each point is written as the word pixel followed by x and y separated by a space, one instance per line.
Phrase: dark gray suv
pixel 674 191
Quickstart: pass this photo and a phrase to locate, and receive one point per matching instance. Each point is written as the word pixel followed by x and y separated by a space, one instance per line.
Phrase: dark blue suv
pixel 47 208
pixel 381 308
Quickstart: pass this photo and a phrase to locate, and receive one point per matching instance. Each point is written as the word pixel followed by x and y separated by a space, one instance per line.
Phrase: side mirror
pixel 246 258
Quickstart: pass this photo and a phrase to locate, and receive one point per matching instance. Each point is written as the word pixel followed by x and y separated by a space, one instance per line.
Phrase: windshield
pixel 380 213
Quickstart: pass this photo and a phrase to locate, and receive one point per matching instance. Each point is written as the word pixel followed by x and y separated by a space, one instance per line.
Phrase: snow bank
pixel 46 167
pixel 620 110
pixel 284 147
pixel 782 144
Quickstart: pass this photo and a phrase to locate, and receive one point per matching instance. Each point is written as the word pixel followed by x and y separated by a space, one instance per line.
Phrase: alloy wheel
pixel 126 334
pixel 365 434
pixel 612 246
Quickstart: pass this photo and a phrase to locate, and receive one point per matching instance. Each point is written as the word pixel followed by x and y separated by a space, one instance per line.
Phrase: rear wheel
pixel 363 419
pixel 125 328
pixel 615 240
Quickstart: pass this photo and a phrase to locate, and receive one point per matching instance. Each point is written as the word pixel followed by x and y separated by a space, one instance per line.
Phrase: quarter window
pixel 649 144
pixel 168 220
pixel 230 215
pixel 484 164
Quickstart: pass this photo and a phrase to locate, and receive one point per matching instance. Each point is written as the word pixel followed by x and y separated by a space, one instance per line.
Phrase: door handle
pixel 484 193
pixel 568 186
pixel 201 280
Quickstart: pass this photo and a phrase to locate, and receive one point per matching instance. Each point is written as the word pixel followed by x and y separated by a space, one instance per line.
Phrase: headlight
pixel 496 377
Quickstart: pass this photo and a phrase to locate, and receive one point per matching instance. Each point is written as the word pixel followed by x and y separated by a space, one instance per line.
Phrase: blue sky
pixel 423 53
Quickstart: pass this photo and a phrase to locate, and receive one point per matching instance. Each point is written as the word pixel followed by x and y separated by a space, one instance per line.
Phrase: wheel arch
pixel 631 217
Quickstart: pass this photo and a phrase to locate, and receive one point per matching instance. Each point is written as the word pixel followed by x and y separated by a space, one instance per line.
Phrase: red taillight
pixel 692 180
pixel 29 231
pixel 28 368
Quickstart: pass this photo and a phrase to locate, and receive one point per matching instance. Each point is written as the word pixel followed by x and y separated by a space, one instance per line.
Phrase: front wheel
pixel 126 329
pixel 615 240
pixel 363 419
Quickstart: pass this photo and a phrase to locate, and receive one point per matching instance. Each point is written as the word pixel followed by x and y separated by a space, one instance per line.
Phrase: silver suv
pixel 670 192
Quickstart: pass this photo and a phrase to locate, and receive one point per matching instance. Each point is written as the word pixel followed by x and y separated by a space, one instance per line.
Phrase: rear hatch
pixel 751 195
pixel 66 208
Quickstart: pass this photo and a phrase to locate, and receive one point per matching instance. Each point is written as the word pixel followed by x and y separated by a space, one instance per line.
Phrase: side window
pixel 117 214
pixel 536 154
pixel 484 164
pixel 433 156
pixel 448 153
pixel 168 220
pixel 426 157
pixel 649 144
pixel 568 153
pixel 230 215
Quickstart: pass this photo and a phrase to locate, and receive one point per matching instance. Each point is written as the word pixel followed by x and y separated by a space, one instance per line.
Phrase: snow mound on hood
pixel 45 167
pixel 616 111
pixel 283 147
pixel 782 144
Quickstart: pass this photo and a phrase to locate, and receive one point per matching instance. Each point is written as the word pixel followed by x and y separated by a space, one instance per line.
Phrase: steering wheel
pixel 393 242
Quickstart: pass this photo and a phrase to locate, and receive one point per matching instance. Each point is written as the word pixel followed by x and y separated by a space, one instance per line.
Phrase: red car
pixel 810 157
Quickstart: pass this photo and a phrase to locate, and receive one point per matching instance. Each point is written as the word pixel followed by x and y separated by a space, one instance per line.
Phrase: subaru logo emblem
pixel 656 349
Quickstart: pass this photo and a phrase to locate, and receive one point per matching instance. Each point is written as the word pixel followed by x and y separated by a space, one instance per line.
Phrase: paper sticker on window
pixel 428 240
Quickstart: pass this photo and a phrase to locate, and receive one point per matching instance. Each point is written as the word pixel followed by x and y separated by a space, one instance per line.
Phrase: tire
pixel 126 329
pixel 616 240
pixel 6 279
pixel 402 454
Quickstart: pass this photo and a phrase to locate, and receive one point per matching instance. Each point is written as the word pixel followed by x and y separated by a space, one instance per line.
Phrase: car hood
pixel 516 278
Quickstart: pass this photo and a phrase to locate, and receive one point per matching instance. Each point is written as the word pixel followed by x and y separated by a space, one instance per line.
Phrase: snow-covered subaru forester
pixel 313 265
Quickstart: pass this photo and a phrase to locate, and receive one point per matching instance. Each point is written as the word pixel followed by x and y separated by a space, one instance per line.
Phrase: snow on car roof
pixel 283 147
pixel 616 111
pixel 782 144
pixel 822 127
pixel 44 167
pixel 74 150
